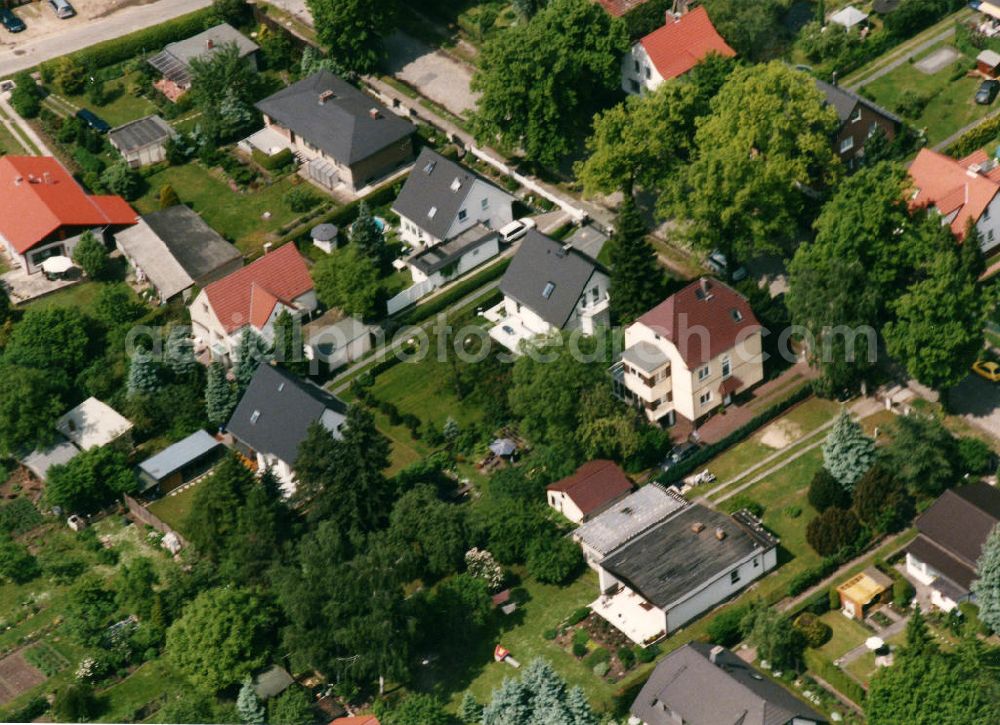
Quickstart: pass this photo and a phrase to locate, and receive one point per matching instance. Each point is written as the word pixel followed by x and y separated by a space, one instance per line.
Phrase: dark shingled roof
pixel 432 185
pixel 844 102
pixel 687 686
pixel 286 406
pixel 199 249
pixel 539 262
pixel 666 562
pixel 954 529
pixel 342 125
pixel 139 134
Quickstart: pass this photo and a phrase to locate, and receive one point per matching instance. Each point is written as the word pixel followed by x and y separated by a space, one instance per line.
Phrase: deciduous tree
pixel 90 480
pixel 430 530
pixel 766 140
pixel 30 404
pixel 923 454
pixel 291 707
pixel 89 609
pixel 881 502
pixel 352 30
pixel 223 635
pixel 541 80
pixel 348 279
pixel 123 180
pixel 777 641
pixel 223 88
pixel 54 339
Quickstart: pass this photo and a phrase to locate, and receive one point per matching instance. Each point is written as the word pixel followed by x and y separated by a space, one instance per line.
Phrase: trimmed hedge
pixel 975 138
pixel 280 160
pixel 150 40
pixel 345 215
pixel 707 453
pixel 836 677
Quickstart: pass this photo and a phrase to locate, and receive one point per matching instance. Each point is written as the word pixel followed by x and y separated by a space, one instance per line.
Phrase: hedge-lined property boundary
pixel 708 452
pixel 976 137
pixel 816 663
pixel 149 40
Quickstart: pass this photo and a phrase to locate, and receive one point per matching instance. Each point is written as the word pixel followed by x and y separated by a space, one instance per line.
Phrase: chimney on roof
pixel 325 96
pixel 48 177
pixel 720 533
pixel 209 43
pixel 713 654
pixel 680 8
pixel 18 181
pixel 697 527
pixel 374 114
pixel 32 179
pixel 267 247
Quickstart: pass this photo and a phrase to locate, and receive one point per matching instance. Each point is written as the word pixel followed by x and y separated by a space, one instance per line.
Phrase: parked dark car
pixel 987 92
pixel 10 21
pixel 679 454
pixel 93 120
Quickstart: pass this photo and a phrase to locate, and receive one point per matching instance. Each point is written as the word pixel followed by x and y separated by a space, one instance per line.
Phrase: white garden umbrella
pixel 57 265
pixel 874 643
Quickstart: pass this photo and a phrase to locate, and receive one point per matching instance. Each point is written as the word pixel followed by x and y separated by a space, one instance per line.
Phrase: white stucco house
pixel 961 191
pixel 274 416
pixel 251 297
pixel 549 287
pixel 591 489
pixel 950 539
pixel 666 572
pixel 691 353
pixel 671 51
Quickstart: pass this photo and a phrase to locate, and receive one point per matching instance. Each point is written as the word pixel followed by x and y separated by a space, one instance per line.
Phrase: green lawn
pixel 174 509
pixel 121 107
pixel 847 634
pixel 807 417
pixel 236 216
pixel 127 701
pixel 546 608
pixel 81 296
pixel 951 104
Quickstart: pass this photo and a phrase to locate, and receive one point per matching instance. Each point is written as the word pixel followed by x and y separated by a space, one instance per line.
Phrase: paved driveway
pixel 978 401
pixel 437 76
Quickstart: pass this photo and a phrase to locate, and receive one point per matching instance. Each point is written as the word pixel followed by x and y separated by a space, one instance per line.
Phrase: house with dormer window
pixel 692 353
pixel 549 287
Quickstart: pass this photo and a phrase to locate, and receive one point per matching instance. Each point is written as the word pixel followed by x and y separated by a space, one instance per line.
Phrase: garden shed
pixel 861 591
pixel 142 142
pixel 182 462
pixel 988 63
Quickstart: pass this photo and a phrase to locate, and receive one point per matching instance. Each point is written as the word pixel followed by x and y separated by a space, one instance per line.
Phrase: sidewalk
pixel 10 116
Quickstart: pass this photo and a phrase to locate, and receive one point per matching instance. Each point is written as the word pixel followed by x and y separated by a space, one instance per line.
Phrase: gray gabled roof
pixel 180 454
pixel 688 686
pixel 844 102
pixel 547 278
pixel 336 117
pixel 208 42
pixel 434 192
pixel 277 409
pixel 138 134
pixel 670 560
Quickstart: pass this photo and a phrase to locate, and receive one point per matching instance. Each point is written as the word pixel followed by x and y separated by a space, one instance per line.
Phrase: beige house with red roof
pixel 594 487
pixel 252 297
pixel 960 190
pixel 43 211
pixel 671 51
pixel 691 353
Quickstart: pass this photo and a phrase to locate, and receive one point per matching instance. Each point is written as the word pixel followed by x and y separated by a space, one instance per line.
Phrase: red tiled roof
pixel 250 294
pixel 356 720
pixel 677 47
pixel 703 320
pixel 620 7
pixel 594 485
pixel 951 186
pixel 38 196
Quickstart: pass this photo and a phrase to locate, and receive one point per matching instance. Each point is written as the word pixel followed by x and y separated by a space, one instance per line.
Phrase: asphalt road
pixel 978 401
pixel 78 36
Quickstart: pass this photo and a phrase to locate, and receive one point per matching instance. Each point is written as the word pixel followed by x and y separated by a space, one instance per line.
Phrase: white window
pixel 703 372
pixel 462 214
pixel 634 85
pixel 856 116
pixel 986 213
pixel 705 398
pixel 727 367
pixel 756 562
pixel 485 203
pixel 734 576
pixel 872 129
pixel 649 73
pixel 989 235
pixel 636 66
pixel 431 212
pixel 549 288
pixel 847 144
pixel 595 294
pixel 254 417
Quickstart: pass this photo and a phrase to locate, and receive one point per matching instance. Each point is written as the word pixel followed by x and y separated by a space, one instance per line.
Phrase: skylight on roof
pixel 429 168
pixel 456 184
pixel 737 315
pixel 254 417
pixel 550 287
pixel 432 212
